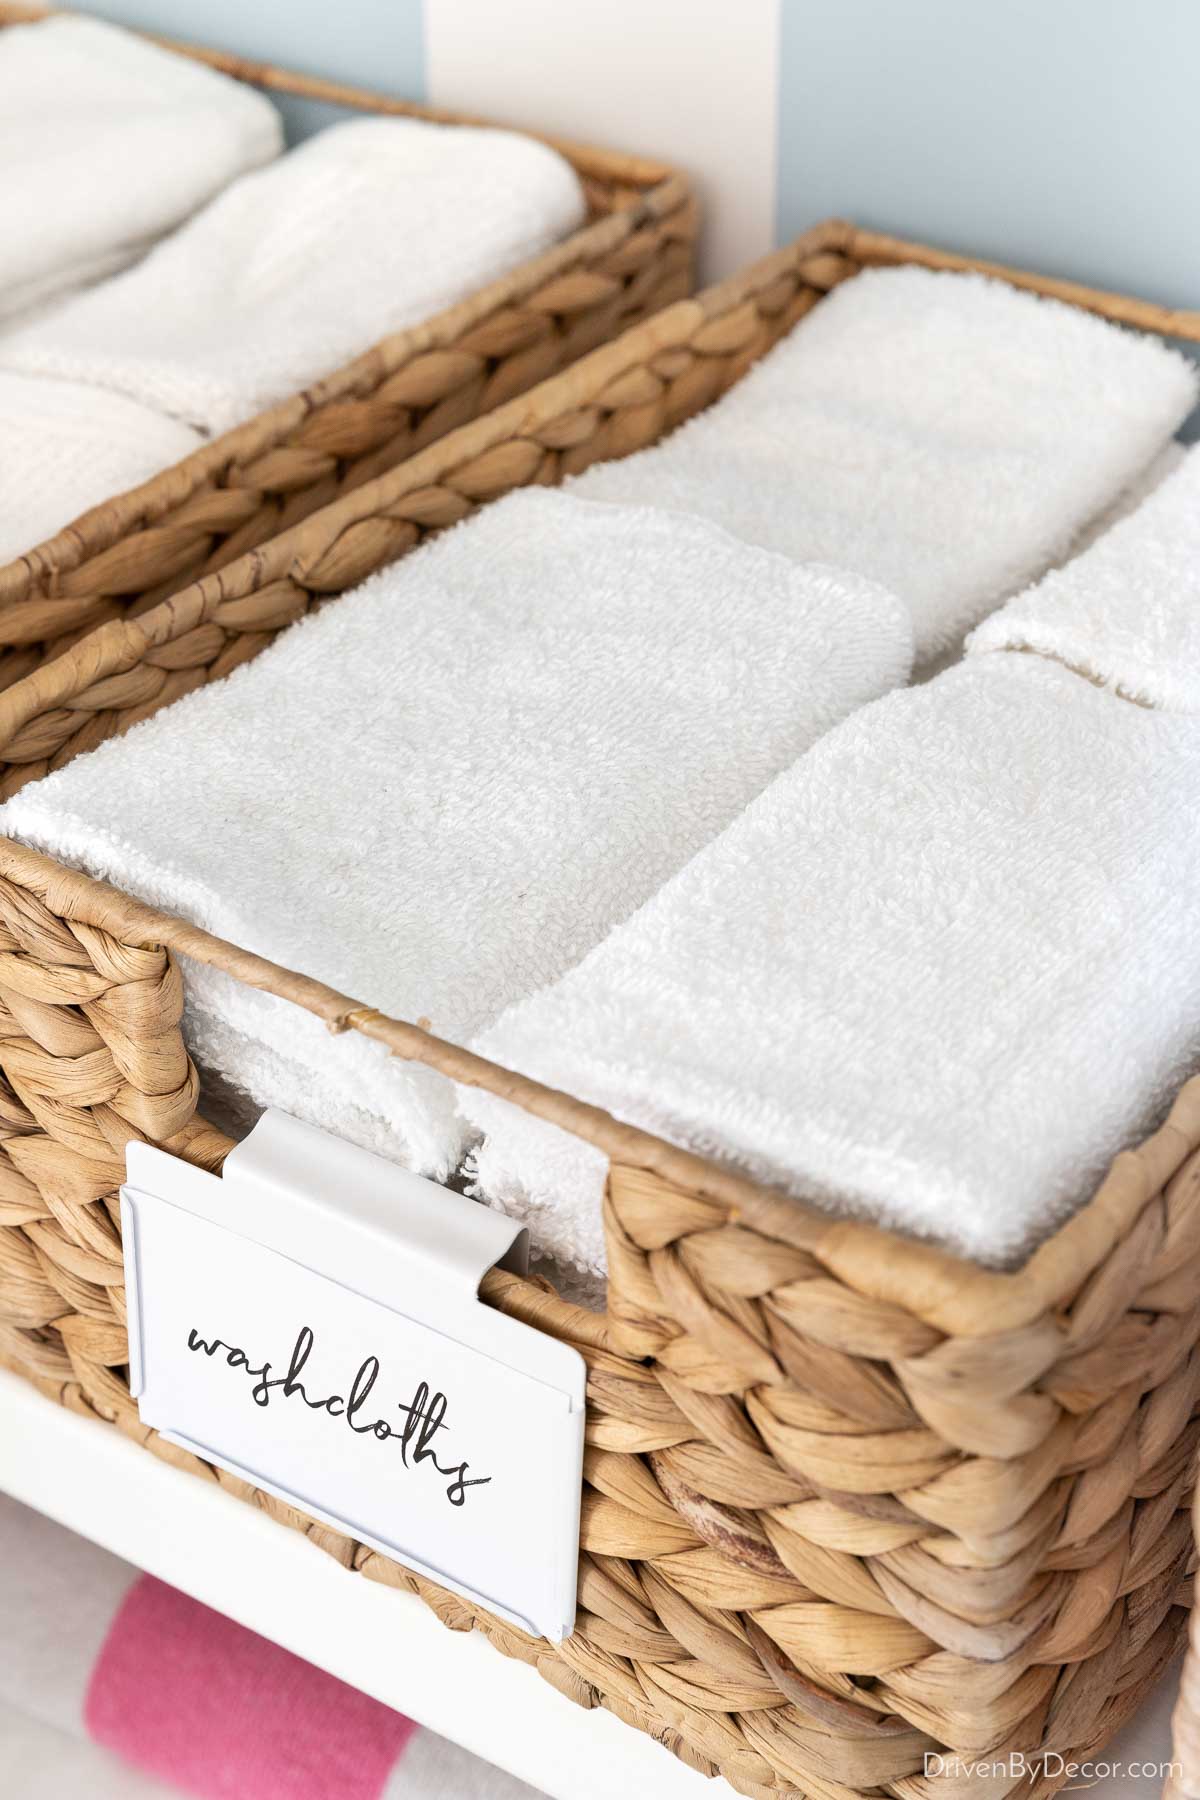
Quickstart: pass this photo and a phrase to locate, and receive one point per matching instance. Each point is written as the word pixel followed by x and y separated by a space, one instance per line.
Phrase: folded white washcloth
pixel 440 793
pixel 367 228
pixel 946 435
pixel 1127 612
pixel 106 142
pixel 65 447
pixel 935 976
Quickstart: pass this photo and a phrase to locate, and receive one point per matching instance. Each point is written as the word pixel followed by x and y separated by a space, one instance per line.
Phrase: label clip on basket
pixel 311 1321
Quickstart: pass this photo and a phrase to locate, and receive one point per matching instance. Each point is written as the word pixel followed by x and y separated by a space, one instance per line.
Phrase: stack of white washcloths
pixel 106 142
pixel 369 227
pixel 946 966
pixel 285 275
pixel 946 435
pixel 439 793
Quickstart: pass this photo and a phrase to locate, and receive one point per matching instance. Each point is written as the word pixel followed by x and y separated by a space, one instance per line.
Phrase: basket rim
pixel 952 1294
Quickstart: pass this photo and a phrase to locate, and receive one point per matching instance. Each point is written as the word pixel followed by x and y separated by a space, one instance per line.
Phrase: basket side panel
pixel 993 1531
pixel 91 1055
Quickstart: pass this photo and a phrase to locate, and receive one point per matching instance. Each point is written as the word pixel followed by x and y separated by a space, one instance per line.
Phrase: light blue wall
pixel 375 44
pixel 1059 134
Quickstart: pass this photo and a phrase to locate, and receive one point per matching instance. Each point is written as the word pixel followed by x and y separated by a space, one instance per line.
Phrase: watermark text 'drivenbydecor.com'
pixel 1015 1765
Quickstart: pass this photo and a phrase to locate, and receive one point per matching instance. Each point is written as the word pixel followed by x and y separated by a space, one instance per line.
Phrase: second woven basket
pixel 633 257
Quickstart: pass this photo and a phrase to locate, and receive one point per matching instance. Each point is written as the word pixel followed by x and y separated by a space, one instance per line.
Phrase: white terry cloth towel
pixel 65 447
pixel 369 227
pixel 934 977
pixel 440 793
pixel 106 142
pixel 1127 613
pixel 947 435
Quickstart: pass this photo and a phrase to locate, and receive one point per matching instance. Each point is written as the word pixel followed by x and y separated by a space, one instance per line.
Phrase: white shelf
pixel 239 1561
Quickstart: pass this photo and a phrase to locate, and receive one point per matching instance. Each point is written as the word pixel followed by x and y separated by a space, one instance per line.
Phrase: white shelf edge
pixel 242 1563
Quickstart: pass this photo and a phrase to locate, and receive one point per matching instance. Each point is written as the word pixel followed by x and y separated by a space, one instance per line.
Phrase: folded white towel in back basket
pixel 367 228
pixel 947 435
pixel 441 792
pixel 935 977
pixel 1127 612
pixel 65 448
pixel 106 142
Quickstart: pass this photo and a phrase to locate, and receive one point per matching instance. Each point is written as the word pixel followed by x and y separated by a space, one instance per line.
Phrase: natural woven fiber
pixel 848 1502
pixel 633 257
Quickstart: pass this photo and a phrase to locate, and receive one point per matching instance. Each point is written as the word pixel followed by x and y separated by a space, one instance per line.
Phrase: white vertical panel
pixel 693 81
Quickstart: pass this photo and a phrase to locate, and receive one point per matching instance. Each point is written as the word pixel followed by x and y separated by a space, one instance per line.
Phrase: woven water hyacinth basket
pixel 632 257
pixel 849 1503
